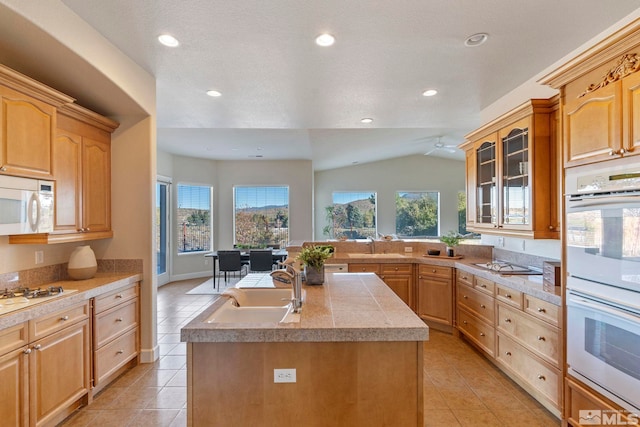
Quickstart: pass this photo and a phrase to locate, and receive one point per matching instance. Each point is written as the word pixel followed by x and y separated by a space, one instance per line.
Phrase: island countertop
pixel 348 307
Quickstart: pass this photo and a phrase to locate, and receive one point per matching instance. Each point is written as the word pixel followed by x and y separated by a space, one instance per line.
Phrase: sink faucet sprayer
pixel 290 275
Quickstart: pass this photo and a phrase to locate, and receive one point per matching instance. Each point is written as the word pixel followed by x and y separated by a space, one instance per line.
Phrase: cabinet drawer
pixel 477 303
pixel 537 336
pixel 57 321
pixel 579 397
pixel 112 323
pixel 484 285
pixel 106 301
pixel 543 310
pixel 510 296
pixel 540 375
pixel 464 277
pixel 114 355
pixel 477 331
pixel 13 337
pixel 395 268
pixel 435 271
pixel 364 268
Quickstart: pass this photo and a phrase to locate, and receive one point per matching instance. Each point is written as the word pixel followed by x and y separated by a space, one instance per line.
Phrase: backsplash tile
pixel 520 258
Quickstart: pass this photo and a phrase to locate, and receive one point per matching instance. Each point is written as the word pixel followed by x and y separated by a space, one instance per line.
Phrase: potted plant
pixel 451 240
pixel 313 259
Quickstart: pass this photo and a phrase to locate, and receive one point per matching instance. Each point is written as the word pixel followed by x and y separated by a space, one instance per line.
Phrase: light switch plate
pixel 284 375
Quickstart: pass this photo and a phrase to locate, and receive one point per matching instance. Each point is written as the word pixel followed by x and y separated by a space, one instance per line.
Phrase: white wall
pixel 417 173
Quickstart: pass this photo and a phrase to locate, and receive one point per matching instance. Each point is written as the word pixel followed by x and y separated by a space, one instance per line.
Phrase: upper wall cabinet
pixel 511 167
pixel 600 98
pixel 27 125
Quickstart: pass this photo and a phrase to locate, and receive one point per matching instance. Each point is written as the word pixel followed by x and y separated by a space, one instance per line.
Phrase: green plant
pixel 452 238
pixel 315 256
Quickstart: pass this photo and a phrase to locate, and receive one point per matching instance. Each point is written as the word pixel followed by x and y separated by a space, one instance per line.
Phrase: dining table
pixel 279 255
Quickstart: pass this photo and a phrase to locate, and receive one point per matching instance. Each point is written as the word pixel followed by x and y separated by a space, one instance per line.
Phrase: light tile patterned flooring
pixel 461 388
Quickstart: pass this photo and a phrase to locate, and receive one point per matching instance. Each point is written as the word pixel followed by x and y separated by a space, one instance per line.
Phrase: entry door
pixel 162 231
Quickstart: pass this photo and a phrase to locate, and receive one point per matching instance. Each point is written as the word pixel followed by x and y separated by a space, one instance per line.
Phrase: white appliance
pixel 26 205
pixel 603 281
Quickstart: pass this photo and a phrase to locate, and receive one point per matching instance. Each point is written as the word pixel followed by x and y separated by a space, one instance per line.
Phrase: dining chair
pixel 261 260
pixel 230 261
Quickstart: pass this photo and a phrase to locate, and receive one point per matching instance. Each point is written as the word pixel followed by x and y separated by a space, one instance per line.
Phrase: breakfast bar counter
pixel 355 357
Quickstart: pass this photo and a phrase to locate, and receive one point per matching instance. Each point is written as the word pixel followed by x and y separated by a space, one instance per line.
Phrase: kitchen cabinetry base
pixel 106 381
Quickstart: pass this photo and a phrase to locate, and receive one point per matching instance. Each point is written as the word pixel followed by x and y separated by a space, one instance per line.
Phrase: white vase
pixel 82 263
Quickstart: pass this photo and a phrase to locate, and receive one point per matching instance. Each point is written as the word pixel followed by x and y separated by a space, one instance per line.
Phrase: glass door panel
pixel 162 231
pixel 515 178
pixel 486 183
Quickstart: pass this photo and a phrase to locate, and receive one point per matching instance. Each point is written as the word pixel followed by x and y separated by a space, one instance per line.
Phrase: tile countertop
pixel 530 285
pixel 101 284
pixel 347 308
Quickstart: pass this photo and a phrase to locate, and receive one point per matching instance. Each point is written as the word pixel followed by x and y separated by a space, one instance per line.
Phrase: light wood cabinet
pixel 115 334
pixel 481 333
pixel 511 184
pixel 475 310
pixel 14 376
pixel 27 125
pixel 398 277
pixel 434 295
pixel 583 405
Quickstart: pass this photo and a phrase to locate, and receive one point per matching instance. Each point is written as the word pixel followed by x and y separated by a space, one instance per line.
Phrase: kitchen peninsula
pixel 357 354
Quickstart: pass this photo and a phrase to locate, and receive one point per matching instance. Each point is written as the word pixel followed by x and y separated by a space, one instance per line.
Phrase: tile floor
pixel 461 388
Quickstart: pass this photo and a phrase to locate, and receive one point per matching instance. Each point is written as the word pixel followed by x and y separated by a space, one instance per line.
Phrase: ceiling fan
pixel 440 146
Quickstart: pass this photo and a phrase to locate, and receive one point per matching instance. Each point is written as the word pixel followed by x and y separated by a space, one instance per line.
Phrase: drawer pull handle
pixel 3 168
pixel 433 271
pixel 481 334
pixel 507 295
pixel 119 319
pixel 541 377
pixel 483 306
pixel 464 278
pixel 465 297
pixel 37 347
pixel 508 353
pixel 419 277
pixel 541 310
pixel 120 352
pixel 464 321
pixel 27 351
pixel 507 320
pixel 483 286
pixel 119 296
pixel 541 338
pixel 64 318
pixel 396 269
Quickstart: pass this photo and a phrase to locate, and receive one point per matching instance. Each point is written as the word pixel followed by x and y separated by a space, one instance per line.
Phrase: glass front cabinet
pixel 511 168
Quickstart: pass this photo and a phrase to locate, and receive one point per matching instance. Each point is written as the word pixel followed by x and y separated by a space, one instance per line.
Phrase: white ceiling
pixel 283 97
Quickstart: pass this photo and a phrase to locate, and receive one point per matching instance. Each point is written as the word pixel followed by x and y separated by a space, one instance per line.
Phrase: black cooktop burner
pixel 31 293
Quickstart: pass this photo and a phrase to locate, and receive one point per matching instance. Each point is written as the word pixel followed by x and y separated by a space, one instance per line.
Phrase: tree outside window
pixel 261 216
pixel 351 215
pixel 194 218
pixel 417 213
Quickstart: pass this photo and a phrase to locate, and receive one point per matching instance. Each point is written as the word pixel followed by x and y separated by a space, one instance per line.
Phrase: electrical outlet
pixel 39 257
pixel 284 375
pixel 408 249
pixel 501 242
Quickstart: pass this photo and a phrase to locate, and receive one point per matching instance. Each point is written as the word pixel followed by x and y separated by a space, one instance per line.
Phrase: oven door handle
pixel 599 201
pixel 585 303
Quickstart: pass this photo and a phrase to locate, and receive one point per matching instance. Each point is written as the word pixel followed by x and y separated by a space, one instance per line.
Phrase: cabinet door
pixel 515 200
pixel 486 182
pixel 58 371
pixel 26 132
pixel 14 393
pixel 631 117
pixel 592 122
pixel 67 168
pixel 472 208
pixel 434 299
pixel 401 285
pixel 96 185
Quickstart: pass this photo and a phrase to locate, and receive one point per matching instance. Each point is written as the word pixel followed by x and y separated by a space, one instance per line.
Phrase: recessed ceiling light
pixel 476 39
pixel 366 120
pixel 168 40
pixel 213 93
pixel 429 92
pixel 325 40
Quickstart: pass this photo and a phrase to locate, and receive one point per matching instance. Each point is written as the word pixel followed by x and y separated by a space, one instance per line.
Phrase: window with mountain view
pixel 194 218
pixel 352 215
pixel 417 213
pixel 261 216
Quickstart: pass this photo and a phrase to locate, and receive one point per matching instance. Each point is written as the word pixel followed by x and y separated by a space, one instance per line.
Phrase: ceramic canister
pixel 82 263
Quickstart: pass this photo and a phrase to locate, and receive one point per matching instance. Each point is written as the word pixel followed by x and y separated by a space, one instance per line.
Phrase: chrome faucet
pixel 290 275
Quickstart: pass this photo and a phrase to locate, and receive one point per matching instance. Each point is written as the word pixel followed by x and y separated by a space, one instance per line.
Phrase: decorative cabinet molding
pixel 511 173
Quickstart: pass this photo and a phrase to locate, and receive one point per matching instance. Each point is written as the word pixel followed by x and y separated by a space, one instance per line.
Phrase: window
pixel 351 215
pixel 417 213
pixel 261 216
pixel 194 218
pixel 462 213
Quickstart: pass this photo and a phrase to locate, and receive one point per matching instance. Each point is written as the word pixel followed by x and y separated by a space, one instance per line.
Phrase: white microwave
pixel 26 205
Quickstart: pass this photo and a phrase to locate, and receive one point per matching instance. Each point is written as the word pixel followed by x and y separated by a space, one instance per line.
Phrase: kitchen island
pixel 356 352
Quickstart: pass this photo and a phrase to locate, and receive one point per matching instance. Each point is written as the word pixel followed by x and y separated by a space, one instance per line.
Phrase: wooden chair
pixel 230 261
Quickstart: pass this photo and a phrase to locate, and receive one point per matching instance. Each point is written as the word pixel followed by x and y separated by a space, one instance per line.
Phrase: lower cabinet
pixel 399 277
pixel 585 407
pixel 115 334
pixel 434 295
pixel 14 376
pixel 475 312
